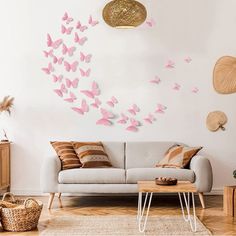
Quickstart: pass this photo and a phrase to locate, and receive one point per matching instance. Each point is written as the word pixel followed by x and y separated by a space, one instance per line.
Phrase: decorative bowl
pixel 166 181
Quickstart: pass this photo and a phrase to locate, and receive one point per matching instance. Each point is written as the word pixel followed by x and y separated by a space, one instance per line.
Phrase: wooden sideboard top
pixel 4 143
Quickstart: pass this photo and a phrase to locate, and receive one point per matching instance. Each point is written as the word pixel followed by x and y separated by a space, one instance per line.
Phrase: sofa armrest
pixel 49 174
pixel 203 173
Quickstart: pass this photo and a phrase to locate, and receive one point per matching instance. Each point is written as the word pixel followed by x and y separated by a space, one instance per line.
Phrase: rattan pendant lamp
pixel 124 13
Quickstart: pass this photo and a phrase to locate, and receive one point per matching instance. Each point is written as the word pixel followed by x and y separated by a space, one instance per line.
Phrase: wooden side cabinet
pixel 4 167
pixel 230 200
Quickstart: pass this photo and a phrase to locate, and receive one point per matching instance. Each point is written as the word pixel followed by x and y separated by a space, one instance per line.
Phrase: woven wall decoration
pixel 216 120
pixel 224 75
pixel 124 13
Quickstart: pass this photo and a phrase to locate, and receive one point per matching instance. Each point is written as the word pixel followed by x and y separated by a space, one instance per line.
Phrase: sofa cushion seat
pixel 136 174
pixel 92 176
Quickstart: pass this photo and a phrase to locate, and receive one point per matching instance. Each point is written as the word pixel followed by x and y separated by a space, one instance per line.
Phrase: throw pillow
pixel 67 155
pixel 92 154
pixel 178 156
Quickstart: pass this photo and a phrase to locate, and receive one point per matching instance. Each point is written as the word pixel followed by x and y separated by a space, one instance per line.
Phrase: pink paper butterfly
pixel 151 22
pixel 149 119
pixel 81 27
pixel 188 59
pixel 112 102
pixel 65 30
pixel 72 83
pixel 48 69
pixel 96 103
pixel 67 19
pixel 133 126
pixel 123 119
pixel 92 22
pixel 134 109
pixel 92 93
pixel 160 108
pixel 85 58
pixel 60 91
pixel 85 73
pixel 68 50
pixel 71 99
pixel 106 116
pixel 58 60
pixel 71 67
pixel 79 40
pixel 54 44
pixel 170 64
pixel 49 53
pixel 57 78
pixel 83 109
pixel 156 80
pixel 195 90
pixel 176 86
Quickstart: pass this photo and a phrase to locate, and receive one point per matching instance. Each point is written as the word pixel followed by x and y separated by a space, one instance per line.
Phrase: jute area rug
pixel 120 225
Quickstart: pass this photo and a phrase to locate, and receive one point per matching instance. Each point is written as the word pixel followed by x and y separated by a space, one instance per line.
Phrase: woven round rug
pixel 120 225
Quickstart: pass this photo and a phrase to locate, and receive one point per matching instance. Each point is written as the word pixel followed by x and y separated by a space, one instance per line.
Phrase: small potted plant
pixel 234 174
pixel 5 106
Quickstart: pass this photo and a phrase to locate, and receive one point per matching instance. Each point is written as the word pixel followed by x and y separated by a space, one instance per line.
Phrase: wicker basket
pixel 23 217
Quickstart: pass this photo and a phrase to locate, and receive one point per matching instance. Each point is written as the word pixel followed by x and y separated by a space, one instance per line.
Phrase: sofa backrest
pixel 116 153
pixel 145 154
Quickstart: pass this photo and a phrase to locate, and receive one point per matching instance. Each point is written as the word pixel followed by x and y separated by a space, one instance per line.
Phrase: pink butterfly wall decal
pixel 112 101
pixel 96 103
pixel 71 67
pixel 85 73
pixel 195 90
pixel 72 83
pixel 176 87
pixel 92 93
pixel 106 116
pixel 83 109
pixel 156 80
pixel 134 109
pixel 61 90
pixel 123 119
pixel 54 44
pixel 134 125
pixel 81 27
pixel 85 58
pixel 67 19
pixel 160 108
pixel 150 118
pixel 58 60
pixel 92 22
pixel 79 40
pixel 57 78
pixel 151 22
pixel 65 30
pixel 71 98
pixel 68 50
pixel 48 69
pixel 188 59
pixel 49 53
pixel 170 64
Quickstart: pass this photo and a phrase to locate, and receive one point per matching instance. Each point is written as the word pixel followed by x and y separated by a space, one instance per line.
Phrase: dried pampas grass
pixel 6 104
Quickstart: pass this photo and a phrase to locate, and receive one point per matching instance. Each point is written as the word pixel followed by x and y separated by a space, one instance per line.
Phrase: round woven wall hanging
pixel 216 120
pixel 224 75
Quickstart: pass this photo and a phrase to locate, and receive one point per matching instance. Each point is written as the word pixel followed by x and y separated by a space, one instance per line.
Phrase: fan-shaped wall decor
pixel 124 13
pixel 216 120
pixel 224 75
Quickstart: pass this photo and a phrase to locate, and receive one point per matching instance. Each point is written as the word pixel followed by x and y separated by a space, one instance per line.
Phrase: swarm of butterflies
pixel 60 54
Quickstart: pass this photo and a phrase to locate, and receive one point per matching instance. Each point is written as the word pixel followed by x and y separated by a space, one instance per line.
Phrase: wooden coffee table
pixel 150 187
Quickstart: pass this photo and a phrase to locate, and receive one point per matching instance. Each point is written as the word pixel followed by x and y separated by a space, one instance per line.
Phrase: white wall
pixel 123 63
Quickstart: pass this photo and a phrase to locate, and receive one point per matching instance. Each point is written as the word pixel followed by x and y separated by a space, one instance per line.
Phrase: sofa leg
pixel 50 200
pixel 59 195
pixel 201 197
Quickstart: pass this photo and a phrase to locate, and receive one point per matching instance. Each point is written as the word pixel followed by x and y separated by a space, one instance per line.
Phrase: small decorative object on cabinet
pixel 4 167
pixel 230 200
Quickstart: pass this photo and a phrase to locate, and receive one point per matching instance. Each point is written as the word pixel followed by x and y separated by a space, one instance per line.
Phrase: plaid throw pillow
pixel 92 154
pixel 178 156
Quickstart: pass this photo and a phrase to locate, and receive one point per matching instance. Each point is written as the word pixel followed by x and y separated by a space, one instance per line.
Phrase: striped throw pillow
pixel 178 156
pixel 67 155
pixel 92 154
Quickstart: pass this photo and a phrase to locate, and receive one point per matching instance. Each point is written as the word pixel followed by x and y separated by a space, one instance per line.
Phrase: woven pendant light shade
pixel 124 13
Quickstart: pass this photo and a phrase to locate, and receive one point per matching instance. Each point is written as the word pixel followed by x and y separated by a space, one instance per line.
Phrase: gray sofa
pixel 132 161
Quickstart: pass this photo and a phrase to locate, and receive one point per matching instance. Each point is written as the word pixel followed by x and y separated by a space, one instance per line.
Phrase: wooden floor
pixel 213 216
